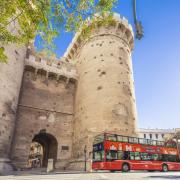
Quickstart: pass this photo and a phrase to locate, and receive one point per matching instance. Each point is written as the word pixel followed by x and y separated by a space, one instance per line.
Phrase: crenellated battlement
pixel 58 67
pixel 121 29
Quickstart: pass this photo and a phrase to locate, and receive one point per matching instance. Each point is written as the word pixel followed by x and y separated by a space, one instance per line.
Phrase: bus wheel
pixel 164 168
pixel 125 167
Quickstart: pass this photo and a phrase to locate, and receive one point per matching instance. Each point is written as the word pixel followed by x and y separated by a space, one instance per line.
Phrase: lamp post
pixel 138 25
pixel 85 150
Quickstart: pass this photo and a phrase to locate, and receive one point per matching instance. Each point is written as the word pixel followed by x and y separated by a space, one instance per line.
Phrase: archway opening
pixel 43 147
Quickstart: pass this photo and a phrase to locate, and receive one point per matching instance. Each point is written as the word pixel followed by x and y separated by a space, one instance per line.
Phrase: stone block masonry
pixel 45 104
pixel 10 84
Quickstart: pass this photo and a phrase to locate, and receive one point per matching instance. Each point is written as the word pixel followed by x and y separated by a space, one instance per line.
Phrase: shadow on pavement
pixel 164 177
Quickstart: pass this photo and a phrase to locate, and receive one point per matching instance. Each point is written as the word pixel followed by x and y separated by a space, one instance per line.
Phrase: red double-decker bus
pixel 122 153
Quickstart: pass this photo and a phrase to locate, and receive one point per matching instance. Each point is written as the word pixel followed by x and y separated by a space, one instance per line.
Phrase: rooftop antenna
pixel 138 25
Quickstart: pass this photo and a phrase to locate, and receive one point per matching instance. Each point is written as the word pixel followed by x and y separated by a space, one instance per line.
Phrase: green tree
pixel 22 20
pixel 176 135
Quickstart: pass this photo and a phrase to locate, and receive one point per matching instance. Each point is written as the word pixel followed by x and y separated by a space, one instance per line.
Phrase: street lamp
pixel 85 151
pixel 138 25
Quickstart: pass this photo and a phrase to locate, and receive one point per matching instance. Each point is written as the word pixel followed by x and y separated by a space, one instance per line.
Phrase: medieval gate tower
pixel 63 104
pixel 105 98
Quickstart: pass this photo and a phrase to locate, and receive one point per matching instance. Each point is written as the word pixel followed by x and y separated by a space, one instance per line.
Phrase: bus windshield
pixel 98 152
pixel 98 139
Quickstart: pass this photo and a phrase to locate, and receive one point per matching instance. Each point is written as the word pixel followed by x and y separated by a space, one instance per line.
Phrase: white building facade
pixel 156 134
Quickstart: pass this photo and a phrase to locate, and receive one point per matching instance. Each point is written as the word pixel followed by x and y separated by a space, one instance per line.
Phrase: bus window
pixel 120 154
pixel 178 159
pixel 160 143
pixel 111 155
pixel 159 157
pixel 135 156
pixel 125 139
pixel 136 140
pixel 98 147
pixel 98 156
pixel 171 144
pixel 142 141
pixel 145 156
pixel 155 157
pixel 111 137
pixel 173 158
pixel 149 142
pixel 126 155
pixel 165 157
pixel 119 138
pixel 132 156
pixel 131 140
pixel 98 139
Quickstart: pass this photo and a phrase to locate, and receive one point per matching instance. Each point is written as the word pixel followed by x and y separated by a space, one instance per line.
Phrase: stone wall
pixel 10 83
pixel 45 105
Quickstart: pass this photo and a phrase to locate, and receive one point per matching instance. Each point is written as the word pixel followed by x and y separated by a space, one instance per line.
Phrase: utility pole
pixel 85 151
pixel 138 25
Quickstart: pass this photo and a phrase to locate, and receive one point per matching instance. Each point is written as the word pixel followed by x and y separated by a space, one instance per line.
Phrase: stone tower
pixel 10 84
pixel 105 99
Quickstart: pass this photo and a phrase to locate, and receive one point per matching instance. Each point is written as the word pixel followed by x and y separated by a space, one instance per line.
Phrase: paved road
pixel 99 176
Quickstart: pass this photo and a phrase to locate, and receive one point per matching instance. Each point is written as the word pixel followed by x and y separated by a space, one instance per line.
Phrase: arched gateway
pixel 43 147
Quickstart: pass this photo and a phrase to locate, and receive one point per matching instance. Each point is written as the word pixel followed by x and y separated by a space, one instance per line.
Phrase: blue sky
pixel 156 61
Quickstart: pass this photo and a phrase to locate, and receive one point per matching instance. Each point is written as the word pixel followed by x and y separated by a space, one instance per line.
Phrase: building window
pixel 65 148
pixel 150 135
pixel 162 135
pixel 156 136
pixel 145 136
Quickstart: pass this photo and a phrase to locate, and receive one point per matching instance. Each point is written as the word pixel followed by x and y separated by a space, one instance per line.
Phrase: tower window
pixel 150 135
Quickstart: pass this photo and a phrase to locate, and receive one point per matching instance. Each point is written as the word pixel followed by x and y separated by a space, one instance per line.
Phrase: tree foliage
pixel 22 20
pixel 172 136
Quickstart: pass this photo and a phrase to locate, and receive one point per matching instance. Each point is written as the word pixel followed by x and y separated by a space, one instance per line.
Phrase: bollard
pixel 50 165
